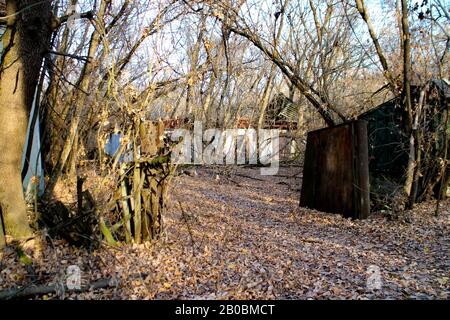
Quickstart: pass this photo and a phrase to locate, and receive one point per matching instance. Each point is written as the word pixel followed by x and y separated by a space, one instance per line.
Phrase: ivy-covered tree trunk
pixel 25 41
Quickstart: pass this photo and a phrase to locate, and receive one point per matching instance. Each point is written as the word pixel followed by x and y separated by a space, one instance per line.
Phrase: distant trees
pixel 416 123
pixel 277 51
pixel 84 69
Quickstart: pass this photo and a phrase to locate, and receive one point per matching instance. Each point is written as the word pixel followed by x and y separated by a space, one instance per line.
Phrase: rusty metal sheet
pixel 336 173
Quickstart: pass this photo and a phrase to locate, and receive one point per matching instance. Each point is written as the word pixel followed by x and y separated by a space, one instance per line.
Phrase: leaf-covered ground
pixel 244 237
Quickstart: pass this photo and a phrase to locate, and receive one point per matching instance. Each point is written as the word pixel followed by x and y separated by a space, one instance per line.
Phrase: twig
pixel 84 15
pixel 86 59
pixel 310 240
pixel 248 177
pixel 285 183
pixel 184 215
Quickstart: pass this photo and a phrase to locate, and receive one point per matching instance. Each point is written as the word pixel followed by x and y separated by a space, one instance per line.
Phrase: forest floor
pixel 239 235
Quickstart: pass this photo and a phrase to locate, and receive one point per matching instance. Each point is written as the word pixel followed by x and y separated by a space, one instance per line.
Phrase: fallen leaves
pixel 251 241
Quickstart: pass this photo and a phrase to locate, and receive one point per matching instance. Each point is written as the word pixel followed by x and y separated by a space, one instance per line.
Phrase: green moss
pixel 107 233
pixel 23 257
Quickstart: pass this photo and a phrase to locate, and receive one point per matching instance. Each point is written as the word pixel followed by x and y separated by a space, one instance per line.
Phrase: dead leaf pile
pixel 244 238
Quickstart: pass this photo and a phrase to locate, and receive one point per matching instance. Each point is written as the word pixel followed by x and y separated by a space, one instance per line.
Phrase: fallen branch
pixel 235 182
pixel 286 184
pixel 310 240
pixel 41 290
pixel 73 56
pixel 248 177
pixel 184 216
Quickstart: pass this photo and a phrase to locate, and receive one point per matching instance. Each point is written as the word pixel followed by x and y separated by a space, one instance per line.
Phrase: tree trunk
pixel 24 43
pixel 190 94
pixel 406 98
pixel 365 16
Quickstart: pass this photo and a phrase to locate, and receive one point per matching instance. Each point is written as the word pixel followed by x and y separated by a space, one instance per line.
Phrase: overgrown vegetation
pixel 80 71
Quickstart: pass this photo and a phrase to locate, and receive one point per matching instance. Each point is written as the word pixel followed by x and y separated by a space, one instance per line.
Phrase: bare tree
pixel 25 42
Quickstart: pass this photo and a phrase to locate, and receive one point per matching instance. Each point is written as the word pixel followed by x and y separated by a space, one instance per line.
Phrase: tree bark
pixel 406 98
pixel 387 71
pixel 190 94
pixel 43 289
pixel 266 94
pixel 25 41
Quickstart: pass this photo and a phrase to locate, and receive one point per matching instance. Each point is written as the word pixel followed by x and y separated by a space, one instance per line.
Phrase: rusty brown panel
pixel 361 170
pixel 333 171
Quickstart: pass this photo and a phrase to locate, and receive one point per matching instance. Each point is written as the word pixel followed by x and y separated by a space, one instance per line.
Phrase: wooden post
pixel 137 182
pixel 125 207
pixel 146 211
pixel 154 204
pixel 80 181
pixel 141 216
pixel 137 202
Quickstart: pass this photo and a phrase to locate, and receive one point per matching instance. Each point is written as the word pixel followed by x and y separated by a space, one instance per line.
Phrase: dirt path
pixel 261 245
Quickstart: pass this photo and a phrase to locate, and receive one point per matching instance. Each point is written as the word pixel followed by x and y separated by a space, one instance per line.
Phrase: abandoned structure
pixel 282 112
pixel 336 171
pixel 339 160
pixel 389 141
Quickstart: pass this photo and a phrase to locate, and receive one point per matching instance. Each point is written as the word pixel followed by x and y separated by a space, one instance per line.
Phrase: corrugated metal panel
pixel 2 31
pixel 32 170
